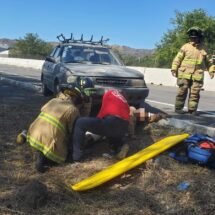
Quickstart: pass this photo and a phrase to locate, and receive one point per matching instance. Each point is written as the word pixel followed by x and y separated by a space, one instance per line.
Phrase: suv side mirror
pixel 50 59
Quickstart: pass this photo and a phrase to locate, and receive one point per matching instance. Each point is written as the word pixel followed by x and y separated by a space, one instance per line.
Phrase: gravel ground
pixel 149 189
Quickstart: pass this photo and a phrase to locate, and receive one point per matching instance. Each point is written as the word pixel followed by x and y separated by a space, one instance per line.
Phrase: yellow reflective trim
pixel 44 149
pixel 180 55
pixel 182 75
pixel 53 121
pixel 174 67
pixel 192 62
pixel 197 77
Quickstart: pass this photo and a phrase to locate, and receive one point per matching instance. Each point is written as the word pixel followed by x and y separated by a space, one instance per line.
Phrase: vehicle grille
pixel 111 82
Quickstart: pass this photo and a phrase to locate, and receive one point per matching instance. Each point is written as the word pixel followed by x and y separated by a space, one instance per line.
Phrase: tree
pixel 175 38
pixel 31 47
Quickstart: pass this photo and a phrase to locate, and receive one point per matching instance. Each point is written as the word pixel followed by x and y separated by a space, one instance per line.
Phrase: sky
pixel 134 23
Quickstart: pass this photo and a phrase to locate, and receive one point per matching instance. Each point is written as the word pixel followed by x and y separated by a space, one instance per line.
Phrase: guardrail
pixel 27 63
pixel 155 76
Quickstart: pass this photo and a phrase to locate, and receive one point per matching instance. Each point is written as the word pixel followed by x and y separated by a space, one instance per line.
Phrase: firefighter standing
pixel 188 66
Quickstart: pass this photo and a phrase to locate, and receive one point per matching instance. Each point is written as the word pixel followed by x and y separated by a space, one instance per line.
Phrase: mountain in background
pixel 124 50
pixel 6 43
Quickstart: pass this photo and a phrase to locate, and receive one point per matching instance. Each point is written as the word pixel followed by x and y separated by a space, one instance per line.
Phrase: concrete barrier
pixel 155 76
pixel 27 63
pixel 164 77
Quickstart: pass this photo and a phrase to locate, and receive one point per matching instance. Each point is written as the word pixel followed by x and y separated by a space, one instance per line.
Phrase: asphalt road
pixel 160 97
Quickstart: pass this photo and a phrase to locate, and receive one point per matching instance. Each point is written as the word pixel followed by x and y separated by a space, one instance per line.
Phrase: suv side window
pixel 57 52
pixel 52 53
pixel 67 55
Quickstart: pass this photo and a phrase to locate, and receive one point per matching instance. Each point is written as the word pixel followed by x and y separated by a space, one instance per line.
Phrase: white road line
pixel 171 105
pixel 161 103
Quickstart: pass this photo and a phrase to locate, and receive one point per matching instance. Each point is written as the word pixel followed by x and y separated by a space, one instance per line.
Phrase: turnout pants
pixel 193 88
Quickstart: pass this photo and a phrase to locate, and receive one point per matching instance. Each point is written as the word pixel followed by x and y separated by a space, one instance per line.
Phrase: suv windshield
pixel 89 55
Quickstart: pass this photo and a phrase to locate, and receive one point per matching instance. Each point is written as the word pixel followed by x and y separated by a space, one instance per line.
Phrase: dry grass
pixel 148 189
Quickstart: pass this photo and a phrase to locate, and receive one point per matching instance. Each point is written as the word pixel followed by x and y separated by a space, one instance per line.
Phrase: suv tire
pixel 45 90
pixel 56 87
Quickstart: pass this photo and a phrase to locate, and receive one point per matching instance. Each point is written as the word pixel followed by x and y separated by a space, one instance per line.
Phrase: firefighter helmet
pixel 195 32
pixel 71 89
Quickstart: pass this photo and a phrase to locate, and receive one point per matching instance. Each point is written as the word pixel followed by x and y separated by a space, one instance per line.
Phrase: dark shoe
pixel 123 151
pixel 179 111
pixel 40 162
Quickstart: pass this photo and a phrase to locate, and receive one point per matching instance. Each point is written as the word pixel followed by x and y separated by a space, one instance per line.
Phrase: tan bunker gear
pixel 49 133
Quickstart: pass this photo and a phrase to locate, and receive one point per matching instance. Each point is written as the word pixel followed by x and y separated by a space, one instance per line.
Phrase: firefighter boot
pixel 179 111
pixel 40 162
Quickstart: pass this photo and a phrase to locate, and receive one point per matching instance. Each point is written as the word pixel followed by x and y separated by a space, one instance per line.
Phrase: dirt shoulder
pixel 149 189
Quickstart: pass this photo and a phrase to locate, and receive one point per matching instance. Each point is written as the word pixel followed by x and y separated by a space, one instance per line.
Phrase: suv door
pixel 50 68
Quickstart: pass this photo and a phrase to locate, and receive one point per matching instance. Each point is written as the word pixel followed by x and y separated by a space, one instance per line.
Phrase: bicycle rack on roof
pixel 63 39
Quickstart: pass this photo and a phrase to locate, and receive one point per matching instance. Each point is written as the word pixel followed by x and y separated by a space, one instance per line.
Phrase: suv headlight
pixel 71 79
pixel 138 83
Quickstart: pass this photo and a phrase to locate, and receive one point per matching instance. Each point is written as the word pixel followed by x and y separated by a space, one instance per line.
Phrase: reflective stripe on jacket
pixel 50 130
pixel 191 62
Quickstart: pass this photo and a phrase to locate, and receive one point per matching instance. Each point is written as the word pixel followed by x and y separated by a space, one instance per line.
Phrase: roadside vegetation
pixel 31 46
pixel 174 38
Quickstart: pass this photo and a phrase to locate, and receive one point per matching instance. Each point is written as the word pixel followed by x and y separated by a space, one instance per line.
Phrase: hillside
pixel 6 43
pixel 124 50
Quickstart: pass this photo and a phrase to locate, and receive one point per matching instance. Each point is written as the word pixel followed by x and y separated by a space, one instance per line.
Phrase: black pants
pixel 114 128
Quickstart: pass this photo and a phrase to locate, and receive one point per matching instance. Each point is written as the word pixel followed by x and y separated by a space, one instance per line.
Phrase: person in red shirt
pixel 112 122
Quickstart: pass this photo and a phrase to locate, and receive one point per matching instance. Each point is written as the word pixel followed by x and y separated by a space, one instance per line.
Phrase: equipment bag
pixel 199 155
pixel 200 149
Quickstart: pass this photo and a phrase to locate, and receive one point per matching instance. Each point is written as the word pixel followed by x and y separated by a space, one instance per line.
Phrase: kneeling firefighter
pixel 49 133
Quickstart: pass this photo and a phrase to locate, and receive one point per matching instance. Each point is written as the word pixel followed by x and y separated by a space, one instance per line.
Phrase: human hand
pixel 174 73
pixel 89 91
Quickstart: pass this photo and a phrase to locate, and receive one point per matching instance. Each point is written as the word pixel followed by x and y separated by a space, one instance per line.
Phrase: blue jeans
pixel 114 128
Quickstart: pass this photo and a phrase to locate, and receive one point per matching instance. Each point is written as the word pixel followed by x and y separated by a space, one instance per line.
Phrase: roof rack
pixel 63 39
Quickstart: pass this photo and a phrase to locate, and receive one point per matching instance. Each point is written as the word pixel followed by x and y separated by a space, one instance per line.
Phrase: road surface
pixel 160 97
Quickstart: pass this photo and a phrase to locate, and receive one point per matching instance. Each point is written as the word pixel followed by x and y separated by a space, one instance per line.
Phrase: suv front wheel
pixel 45 90
pixel 56 87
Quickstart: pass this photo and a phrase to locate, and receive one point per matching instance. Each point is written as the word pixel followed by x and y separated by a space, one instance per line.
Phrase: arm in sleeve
pixel 178 59
pixel 210 66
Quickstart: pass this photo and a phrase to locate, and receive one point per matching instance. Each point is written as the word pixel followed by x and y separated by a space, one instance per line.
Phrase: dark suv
pixel 78 58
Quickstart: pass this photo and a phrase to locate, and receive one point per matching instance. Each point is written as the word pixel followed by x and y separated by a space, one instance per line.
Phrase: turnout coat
pixel 50 131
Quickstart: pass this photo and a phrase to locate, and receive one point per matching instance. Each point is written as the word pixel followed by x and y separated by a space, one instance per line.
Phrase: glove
pixel 174 73
pixel 21 137
pixel 89 91
pixel 211 75
pixel 212 71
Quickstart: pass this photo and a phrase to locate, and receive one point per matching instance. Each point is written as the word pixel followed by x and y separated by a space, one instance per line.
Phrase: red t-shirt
pixel 113 103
